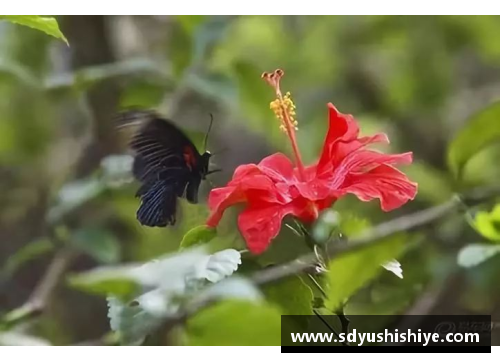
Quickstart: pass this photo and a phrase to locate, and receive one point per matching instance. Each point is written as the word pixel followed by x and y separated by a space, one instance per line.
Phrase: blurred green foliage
pixel 430 83
pixel 46 24
pixel 235 323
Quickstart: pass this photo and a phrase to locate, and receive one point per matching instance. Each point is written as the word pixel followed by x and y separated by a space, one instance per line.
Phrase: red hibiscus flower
pixel 277 187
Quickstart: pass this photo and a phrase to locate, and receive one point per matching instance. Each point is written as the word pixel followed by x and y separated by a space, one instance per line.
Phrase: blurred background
pixel 65 208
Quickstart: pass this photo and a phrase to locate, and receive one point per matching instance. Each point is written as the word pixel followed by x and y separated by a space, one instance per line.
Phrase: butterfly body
pixel 168 166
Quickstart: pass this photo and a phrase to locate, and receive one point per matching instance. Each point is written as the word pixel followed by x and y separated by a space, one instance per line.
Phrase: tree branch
pixel 43 292
pixel 381 231
pixel 91 46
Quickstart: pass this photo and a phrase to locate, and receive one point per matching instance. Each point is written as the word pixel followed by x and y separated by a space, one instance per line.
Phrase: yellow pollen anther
pixel 283 106
pixel 284 109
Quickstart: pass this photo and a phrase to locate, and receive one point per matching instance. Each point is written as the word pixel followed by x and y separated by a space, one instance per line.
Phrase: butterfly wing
pixel 166 163
pixel 192 189
pixel 158 204
pixel 161 146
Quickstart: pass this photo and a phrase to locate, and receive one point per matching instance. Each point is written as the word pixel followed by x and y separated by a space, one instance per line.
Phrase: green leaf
pixel 190 22
pixel 199 235
pixel 18 74
pixel 481 130
pixel 137 318
pixel 351 271
pixel 206 35
pixel 235 323
pixel 46 24
pixel 331 224
pixel 130 321
pixel 85 78
pixel 235 287
pixel 219 265
pixel 102 282
pixel 143 94
pixel 174 273
pixel 98 243
pixel 352 225
pixel 125 280
pixel 15 317
pixel 488 224
pixel 182 44
pixel 27 253
pixel 293 295
pixel 20 339
pixel 474 254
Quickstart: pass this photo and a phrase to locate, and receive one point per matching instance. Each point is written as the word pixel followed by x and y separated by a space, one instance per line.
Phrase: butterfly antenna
pixel 205 142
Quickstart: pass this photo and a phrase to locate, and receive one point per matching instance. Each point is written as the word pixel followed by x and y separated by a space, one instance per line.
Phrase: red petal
pixel 248 183
pixel 315 189
pixel 384 182
pixel 342 139
pixel 220 199
pixel 243 171
pixel 344 149
pixel 278 167
pixel 272 190
pixel 363 161
pixel 260 223
pixel 250 178
pixel 340 127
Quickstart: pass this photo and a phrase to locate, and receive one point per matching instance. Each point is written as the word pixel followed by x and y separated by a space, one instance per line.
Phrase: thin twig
pixel 43 292
pixel 344 321
pixel 316 284
pixel 328 325
pixel 49 281
pixel 323 320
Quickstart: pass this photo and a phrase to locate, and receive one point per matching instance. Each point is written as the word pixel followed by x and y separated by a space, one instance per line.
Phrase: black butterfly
pixel 167 164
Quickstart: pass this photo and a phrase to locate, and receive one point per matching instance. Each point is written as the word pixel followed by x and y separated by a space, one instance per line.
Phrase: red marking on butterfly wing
pixel 189 157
